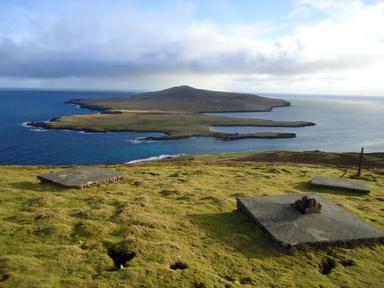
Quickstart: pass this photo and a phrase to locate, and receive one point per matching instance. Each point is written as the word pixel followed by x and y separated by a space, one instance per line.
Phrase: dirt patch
pixel 178 265
pixel 5 277
pixel 120 256
pixel 327 265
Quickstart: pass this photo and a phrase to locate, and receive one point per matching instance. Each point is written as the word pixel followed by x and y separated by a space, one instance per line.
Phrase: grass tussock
pixel 174 224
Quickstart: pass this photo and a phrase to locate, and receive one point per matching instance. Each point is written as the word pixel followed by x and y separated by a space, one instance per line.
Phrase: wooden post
pixel 360 162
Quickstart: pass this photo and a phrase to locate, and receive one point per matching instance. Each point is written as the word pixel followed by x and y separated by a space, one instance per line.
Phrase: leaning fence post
pixel 360 162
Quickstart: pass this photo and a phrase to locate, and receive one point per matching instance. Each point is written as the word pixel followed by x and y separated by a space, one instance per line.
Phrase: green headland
pixel 178 112
pixel 176 222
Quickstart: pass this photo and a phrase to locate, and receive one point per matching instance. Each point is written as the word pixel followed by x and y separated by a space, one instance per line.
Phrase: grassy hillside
pixel 168 213
pixel 173 124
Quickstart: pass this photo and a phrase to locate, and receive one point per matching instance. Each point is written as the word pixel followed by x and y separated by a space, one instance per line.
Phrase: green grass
pixel 173 124
pixel 173 211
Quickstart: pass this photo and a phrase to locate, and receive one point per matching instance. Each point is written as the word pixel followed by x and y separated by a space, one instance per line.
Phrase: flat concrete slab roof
pixel 81 177
pixel 340 183
pixel 289 227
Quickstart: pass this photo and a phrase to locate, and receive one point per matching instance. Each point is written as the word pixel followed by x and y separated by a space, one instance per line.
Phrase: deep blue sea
pixel 343 124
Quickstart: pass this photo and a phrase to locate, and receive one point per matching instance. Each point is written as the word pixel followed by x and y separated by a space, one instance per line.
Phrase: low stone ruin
pixel 307 205
pixel 333 226
pixel 352 185
pixel 81 177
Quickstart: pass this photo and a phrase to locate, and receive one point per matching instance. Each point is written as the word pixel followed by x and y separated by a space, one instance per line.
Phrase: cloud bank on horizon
pixel 298 46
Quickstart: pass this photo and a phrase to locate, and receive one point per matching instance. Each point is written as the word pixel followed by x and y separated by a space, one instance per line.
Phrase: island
pixel 178 112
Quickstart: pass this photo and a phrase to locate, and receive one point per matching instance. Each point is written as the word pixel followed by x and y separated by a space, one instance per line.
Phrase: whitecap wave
pixel 153 158
pixel 140 140
pixel 77 106
pixel 33 128
pixel 136 140
pixel 85 132
pixel 26 124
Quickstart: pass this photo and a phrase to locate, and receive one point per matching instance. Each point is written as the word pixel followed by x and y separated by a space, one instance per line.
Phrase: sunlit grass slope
pixel 179 211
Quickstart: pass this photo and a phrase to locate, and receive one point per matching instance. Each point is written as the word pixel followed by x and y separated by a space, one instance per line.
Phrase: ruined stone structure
pixel 307 205
pixel 289 227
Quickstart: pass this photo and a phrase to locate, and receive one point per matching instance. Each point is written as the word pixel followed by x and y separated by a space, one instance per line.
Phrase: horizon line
pixel 142 91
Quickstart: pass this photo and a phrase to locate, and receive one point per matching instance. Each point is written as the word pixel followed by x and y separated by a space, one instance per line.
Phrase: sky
pixel 281 46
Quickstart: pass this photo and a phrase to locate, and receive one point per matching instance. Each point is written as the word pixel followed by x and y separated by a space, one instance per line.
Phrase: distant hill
pixel 186 99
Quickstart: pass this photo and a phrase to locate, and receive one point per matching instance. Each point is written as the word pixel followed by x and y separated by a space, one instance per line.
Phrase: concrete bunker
pixel 81 177
pixel 290 227
pixel 353 185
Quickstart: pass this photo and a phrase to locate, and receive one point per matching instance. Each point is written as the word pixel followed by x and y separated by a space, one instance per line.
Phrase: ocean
pixel 344 124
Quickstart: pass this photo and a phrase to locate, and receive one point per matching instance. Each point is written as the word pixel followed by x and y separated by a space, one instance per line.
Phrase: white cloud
pixel 347 46
pixel 341 52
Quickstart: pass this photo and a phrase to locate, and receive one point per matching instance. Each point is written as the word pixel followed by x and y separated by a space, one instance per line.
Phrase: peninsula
pixel 178 112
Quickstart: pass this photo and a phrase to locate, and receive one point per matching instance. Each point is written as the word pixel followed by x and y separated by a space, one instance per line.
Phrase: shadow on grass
pixel 306 187
pixel 233 229
pixel 37 186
